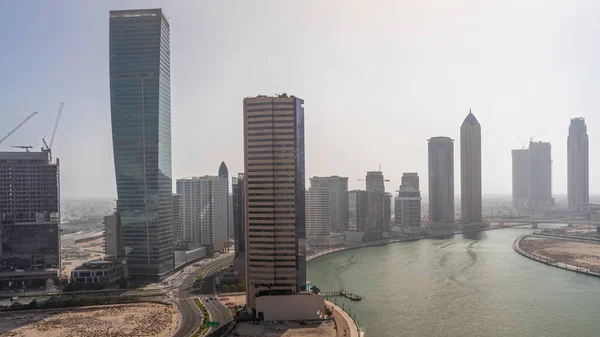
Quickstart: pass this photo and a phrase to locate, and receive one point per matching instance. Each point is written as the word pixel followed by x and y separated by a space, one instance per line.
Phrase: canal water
pixel 462 286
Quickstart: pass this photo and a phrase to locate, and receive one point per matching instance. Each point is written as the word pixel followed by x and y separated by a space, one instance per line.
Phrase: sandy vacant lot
pixel 144 319
pixel 577 253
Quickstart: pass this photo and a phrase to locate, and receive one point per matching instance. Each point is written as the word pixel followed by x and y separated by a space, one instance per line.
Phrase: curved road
pixel 190 315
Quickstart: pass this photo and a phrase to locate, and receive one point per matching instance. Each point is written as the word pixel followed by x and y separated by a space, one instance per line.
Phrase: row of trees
pixel 233 286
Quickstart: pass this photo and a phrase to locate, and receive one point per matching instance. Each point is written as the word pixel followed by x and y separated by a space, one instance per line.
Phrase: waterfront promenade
pixel 344 321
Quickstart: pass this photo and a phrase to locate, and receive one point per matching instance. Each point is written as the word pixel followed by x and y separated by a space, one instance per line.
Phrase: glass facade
pixel 140 94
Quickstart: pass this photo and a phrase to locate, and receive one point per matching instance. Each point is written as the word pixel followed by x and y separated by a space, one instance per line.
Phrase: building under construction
pixel 29 219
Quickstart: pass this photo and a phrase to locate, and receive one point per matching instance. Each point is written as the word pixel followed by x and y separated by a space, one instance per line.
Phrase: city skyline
pixel 480 60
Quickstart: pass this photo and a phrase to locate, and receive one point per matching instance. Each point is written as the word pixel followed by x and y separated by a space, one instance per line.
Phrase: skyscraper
pixel 578 165
pixel 540 175
pixel 441 179
pixel 29 219
pixel 410 179
pixel 470 170
pixel 408 202
pixel 375 182
pixel 275 196
pixel 204 209
pixel 520 179
pixel 358 216
pixel 177 217
pixel 224 174
pixel 113 238
pixel 318 215
pixel 239 215
pixel 140 100
pixel 338 192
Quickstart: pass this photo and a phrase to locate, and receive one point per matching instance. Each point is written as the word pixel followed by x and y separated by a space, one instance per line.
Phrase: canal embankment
pixel 573 255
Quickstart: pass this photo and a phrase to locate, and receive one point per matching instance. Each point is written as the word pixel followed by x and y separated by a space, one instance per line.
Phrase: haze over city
pixel 378 80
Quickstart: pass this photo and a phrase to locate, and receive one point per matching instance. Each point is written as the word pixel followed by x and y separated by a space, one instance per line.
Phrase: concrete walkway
pixel 348 322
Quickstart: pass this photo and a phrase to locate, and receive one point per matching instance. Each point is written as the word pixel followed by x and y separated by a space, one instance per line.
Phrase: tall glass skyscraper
pixel 140 100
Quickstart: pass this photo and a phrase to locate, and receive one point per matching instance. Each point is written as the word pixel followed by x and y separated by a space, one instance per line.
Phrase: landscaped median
pixel 205 318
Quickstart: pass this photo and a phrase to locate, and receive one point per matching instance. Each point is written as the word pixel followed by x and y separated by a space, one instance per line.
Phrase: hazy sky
pixel 378 78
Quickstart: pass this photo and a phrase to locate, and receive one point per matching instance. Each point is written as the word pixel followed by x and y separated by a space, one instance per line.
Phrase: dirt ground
pixel 144 319
pixel 96 249
pixel 586 255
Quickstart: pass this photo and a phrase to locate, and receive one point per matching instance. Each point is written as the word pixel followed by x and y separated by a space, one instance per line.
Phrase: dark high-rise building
pixel 239 214
pixel 410 179
pixel 540 175
pixel 375 182
pixel 387 212
pixel 358 214
pixel 275 196
pixel 408 202
pixel 470 170
pixel 578 165
pixel 113 237
pixel 29 219
pixel 140 100
pixel 224 174
pixel 520 179
pixel 177 217
pixel 441 180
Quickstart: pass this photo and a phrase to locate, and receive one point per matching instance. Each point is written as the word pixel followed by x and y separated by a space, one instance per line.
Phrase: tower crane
pixel 49 146
pixel 531 139
pixel 17 127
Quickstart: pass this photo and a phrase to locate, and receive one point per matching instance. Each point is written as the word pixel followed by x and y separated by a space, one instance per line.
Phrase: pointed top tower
pixel 470 170
pixel 470 119
pixel 223 172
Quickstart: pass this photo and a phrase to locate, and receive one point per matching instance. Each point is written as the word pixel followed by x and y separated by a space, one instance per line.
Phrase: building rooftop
pixel 22 155
pixel 98 264
pixel 440 139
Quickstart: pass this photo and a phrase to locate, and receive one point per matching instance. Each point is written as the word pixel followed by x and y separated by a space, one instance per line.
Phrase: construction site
pixel 29 215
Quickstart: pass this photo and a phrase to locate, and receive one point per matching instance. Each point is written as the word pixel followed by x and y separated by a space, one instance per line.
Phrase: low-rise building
pixel 100 272
pixel 302 306
pixel 188 255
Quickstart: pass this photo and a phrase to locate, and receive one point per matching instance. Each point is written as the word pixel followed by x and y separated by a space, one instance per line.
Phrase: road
pixel 184 298
pixel 218 312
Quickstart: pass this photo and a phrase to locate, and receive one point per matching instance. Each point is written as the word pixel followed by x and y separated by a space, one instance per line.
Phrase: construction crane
pixel 49 146
pixel 531 139
pixel 60 110
pixel 26 147
pixel 521 142
pixel 17 127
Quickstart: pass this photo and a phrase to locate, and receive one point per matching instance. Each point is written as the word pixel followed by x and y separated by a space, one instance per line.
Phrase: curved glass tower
pixel 140 102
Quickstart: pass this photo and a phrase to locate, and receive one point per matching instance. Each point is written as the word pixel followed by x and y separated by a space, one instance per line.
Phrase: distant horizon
pixel 377 82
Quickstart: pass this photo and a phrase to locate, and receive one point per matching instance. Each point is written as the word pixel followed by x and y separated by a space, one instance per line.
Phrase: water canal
pixel 462 286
